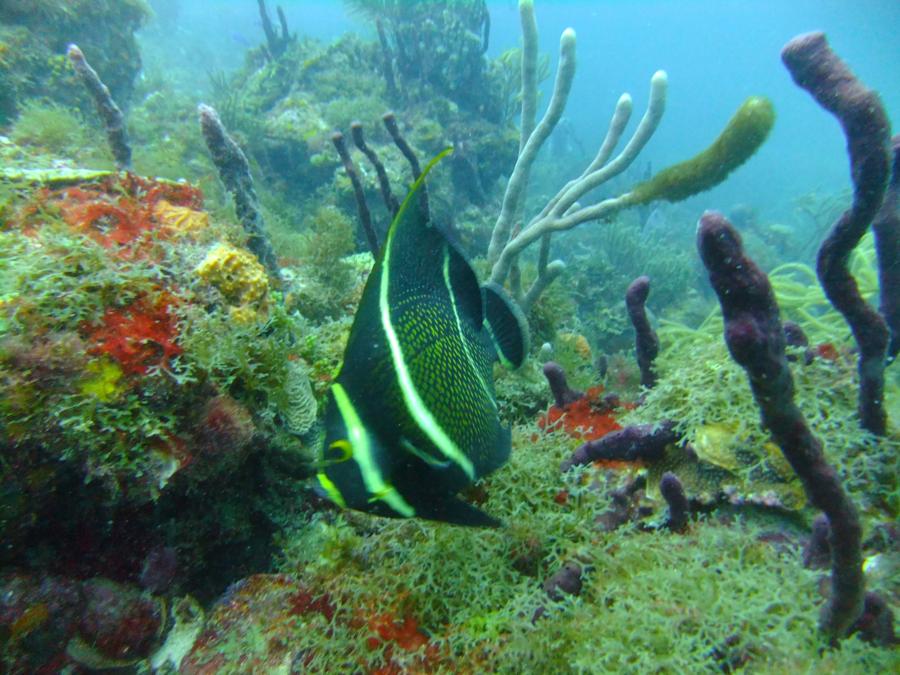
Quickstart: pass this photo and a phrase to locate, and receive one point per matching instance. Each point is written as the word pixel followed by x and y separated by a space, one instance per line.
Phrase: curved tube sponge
pixel 820 71
pixel 741 138
pixel 756 341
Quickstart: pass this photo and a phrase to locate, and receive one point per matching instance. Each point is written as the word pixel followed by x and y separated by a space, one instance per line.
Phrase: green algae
pixel 55 283
pixel 51 128
pixel 129 425
pixel 708 600
pixel 653 601
pixel 35 33
pixel 701 388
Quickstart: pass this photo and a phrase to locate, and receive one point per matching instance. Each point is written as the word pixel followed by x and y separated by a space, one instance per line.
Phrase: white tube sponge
pixel 656 106
pixel 529 70
pixel 518 181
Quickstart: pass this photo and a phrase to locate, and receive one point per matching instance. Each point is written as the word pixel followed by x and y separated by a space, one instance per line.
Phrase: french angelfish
pixel 411 418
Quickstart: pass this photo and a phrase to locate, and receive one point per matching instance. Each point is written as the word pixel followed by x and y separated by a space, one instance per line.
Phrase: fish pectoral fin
pixel 506 324
pixel 424 456
pixel 497 454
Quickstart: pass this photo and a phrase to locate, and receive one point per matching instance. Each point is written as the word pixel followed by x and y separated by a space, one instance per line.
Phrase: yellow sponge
pixel 237 274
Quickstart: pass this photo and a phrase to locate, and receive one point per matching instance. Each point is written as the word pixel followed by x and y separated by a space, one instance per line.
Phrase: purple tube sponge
pixel 275 43
pixel 794 335
pixel 646 344
pixel 234 170
pixel 384 184
pixel 641 442
pixel 821 72
pixel 817 551
pixel 556 378
pixel 876 624
pixel 362 206
pixel 566 581
pixel 118 621
pixel 887 246
pixel 393 128
pixel 755 338
pixel 113 120
pixel 159 569
pixel 673 492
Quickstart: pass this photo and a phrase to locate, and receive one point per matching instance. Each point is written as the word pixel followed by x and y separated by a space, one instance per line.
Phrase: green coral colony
pixel 227 352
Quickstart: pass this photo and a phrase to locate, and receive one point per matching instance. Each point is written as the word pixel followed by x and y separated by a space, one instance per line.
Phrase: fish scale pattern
pixel 447 368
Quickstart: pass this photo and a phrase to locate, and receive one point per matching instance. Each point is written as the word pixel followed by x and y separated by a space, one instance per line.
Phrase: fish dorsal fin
pixel 410 226
pixel 507 326
pixel 410 214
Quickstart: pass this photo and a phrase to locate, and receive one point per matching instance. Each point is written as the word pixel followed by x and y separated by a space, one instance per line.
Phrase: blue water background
pixel 716 53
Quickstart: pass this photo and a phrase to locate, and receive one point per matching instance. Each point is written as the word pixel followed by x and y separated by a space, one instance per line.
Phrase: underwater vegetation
pixel 53 128
pixel 34 35
pixel 285 110
pixel 429 48
pixel 180 360
pixel 144 360
pixel 103 287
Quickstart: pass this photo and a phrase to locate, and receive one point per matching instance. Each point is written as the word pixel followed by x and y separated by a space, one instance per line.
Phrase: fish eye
pixel 343 448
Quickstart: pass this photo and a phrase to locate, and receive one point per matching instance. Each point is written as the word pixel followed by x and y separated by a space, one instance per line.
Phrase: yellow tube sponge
pixel 740 139
pixel 237 274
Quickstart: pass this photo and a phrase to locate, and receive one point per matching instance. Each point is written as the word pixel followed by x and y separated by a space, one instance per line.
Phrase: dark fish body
pixel 412 417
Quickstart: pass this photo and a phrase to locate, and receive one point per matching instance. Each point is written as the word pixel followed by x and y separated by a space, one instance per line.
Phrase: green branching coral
pixel 461 579
pixel 703 603
pixel 96 376
pixel 652 601
pixel 740 139
pixel 521 394
pixel 253 361
pixel 119 440
pixel 54 280
pixel 801 298
pixel 53 285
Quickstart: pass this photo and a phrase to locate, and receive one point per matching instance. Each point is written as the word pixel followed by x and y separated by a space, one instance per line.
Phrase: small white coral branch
pixel 562 212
